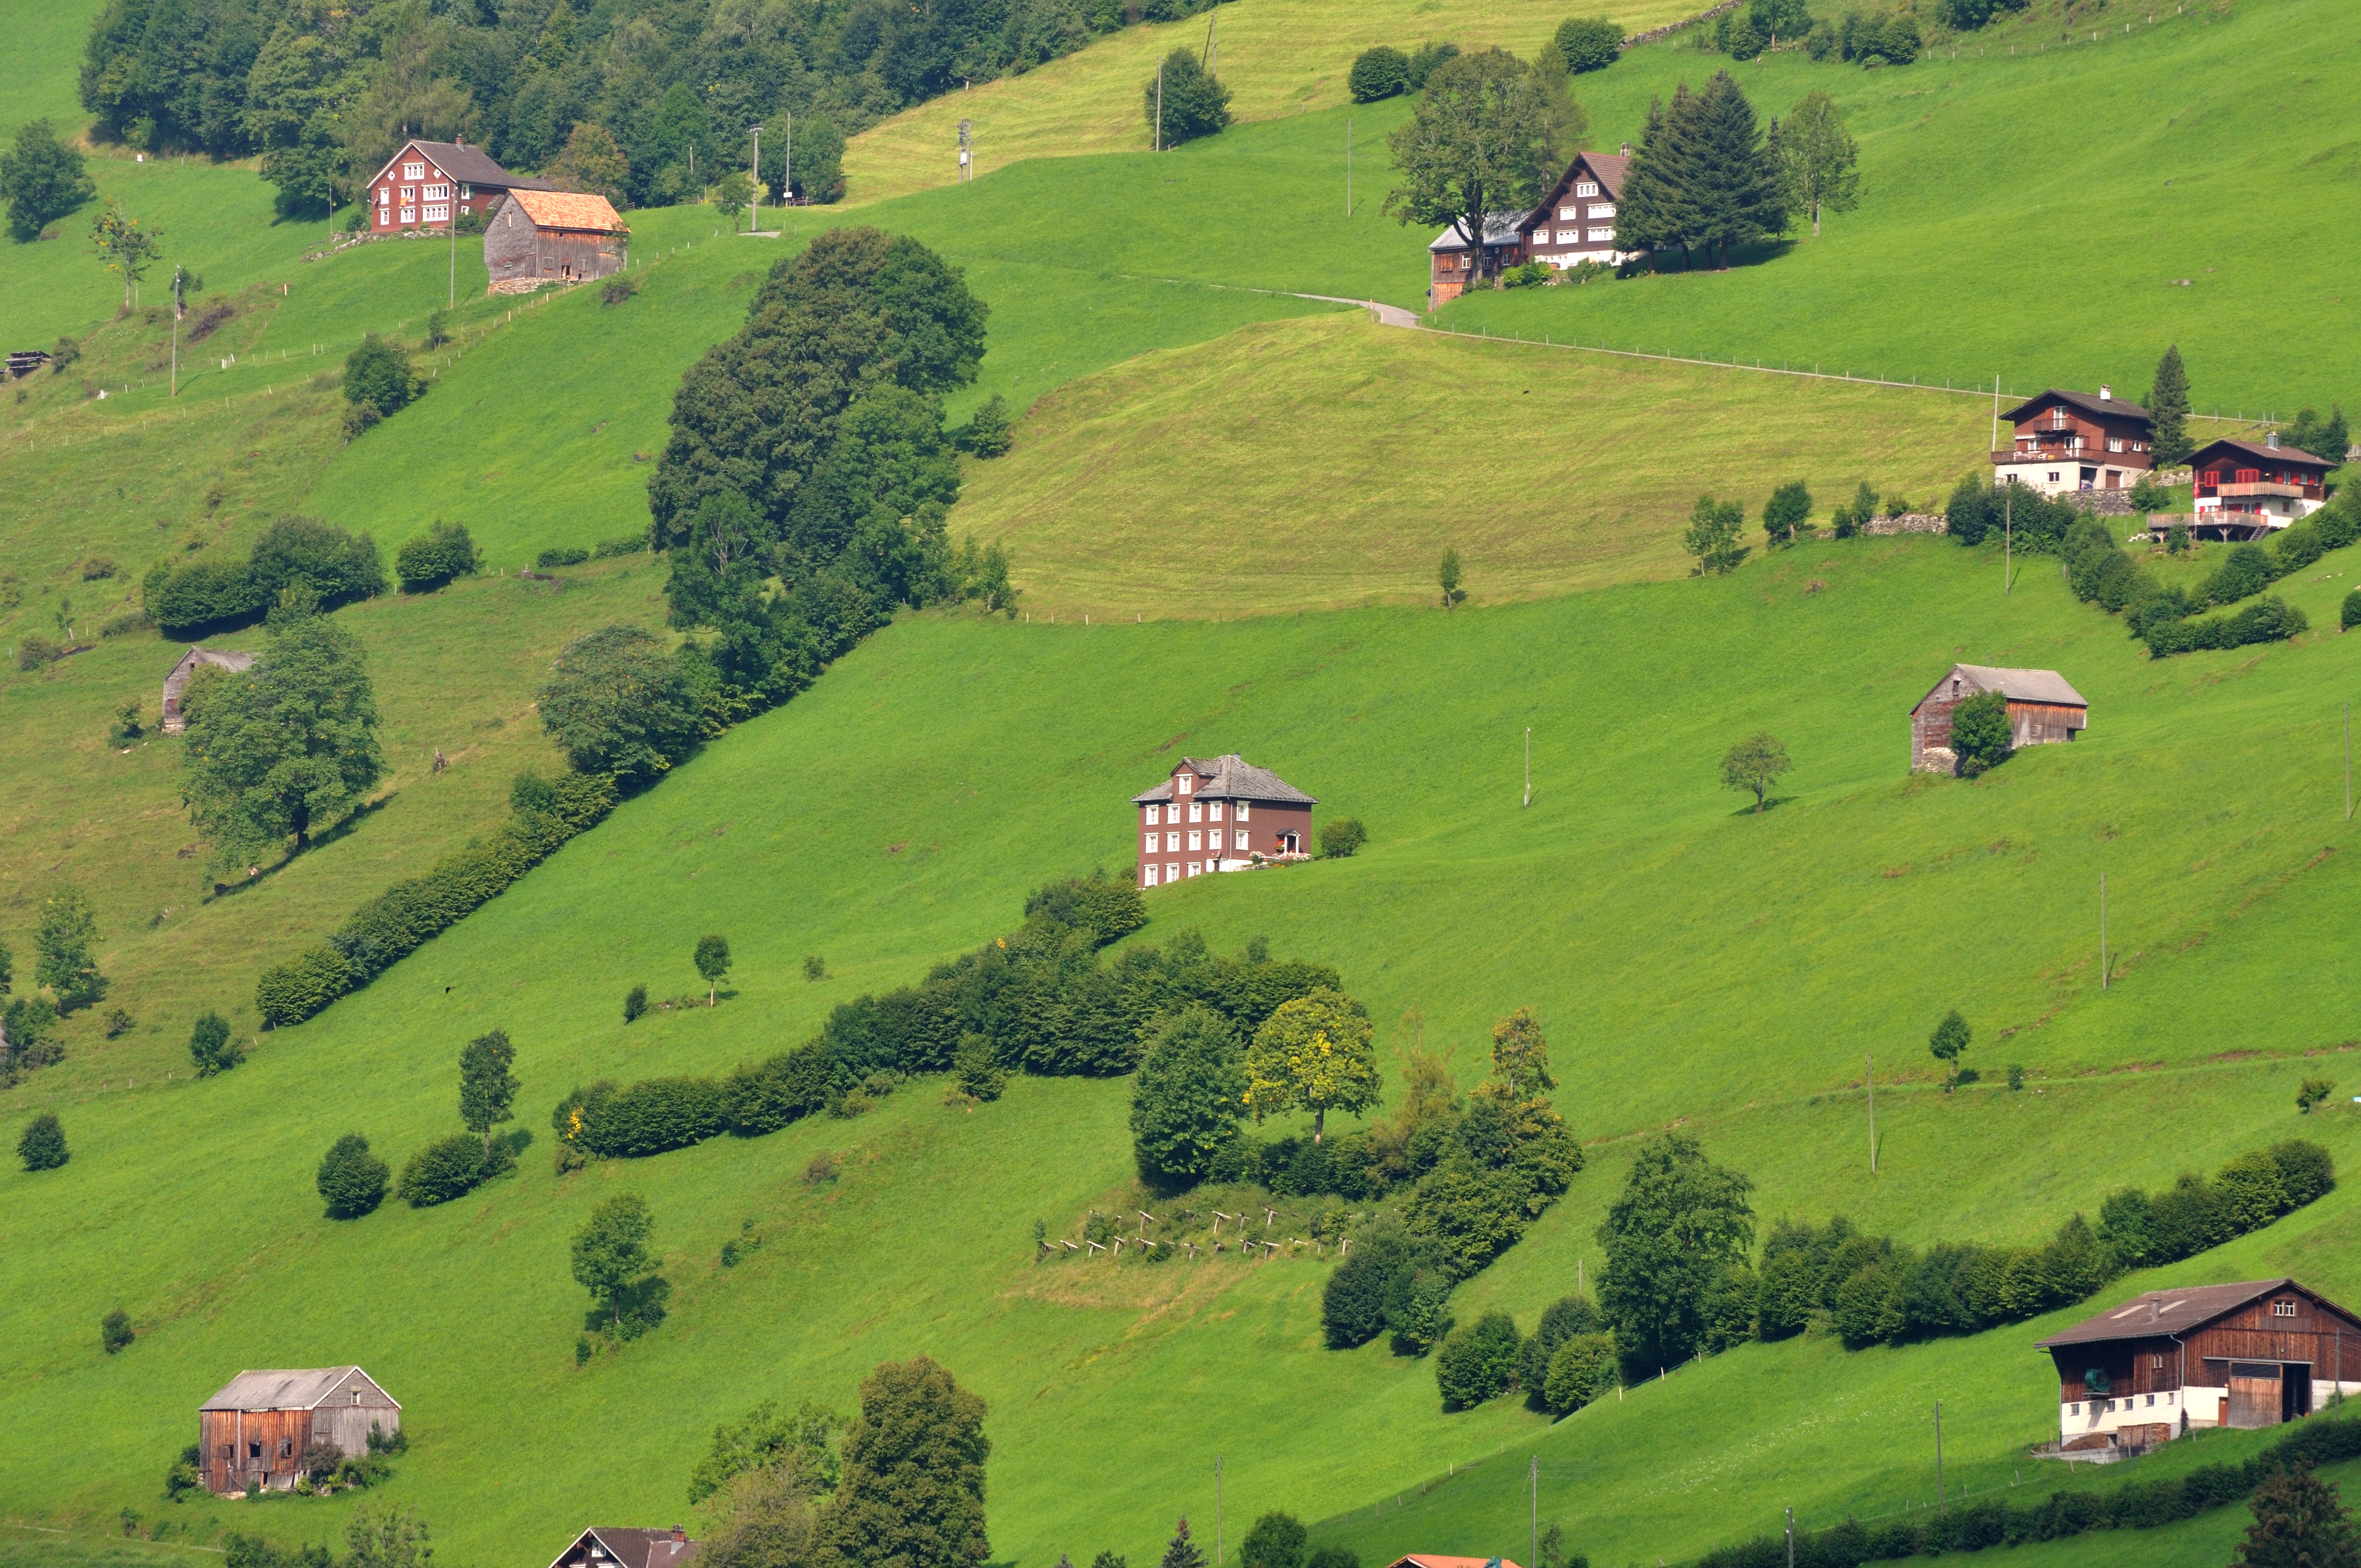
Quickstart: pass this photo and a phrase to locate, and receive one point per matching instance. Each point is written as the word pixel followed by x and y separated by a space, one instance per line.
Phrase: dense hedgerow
pixel 545 813
pixel 214 592
pixel 1974 1526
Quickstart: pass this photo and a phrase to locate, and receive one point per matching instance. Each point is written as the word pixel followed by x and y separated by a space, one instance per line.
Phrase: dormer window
pixel 1586 188
pixel 1184 783
pixel 2282 1308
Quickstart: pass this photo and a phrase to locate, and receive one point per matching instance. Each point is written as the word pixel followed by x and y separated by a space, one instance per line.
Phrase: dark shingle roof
pixel 631 1547
pixel 2087 402
pixel 1500 228
pixel 2166 1313
pixel 2287 456
pixel 1231 777
pixel 473 166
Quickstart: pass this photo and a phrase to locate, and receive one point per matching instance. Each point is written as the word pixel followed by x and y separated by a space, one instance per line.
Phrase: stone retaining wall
pixel 1669 28
pixel 1908 523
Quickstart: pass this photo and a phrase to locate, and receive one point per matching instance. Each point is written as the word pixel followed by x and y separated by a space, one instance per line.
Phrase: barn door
pixel 2254 1394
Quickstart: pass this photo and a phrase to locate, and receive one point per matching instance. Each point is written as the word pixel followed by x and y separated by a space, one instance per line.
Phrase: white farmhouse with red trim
pixel 431 184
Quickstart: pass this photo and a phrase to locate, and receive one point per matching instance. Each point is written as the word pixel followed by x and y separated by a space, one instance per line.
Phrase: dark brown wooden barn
pixel 2042 709
pixel 252 1435
pixel 552 236
pixel 612 1546
pixel 2251 1355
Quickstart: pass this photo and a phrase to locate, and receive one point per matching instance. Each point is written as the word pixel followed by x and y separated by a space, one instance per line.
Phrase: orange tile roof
pixel 568 210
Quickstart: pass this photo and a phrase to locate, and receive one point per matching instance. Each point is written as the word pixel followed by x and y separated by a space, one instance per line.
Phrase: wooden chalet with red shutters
pixel 1220 814
pixel 1575 221
pixel 2244 491
pixel 251 1437
pixel 430 185
pixel 2043 709
pixel 2168 1361
pixel 2071 440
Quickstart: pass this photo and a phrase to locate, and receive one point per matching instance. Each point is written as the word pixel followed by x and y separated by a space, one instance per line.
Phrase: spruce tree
pixel 912 1492
pixel 1732 184
pixel 2300 1522
pixel 1183 1552
pixel 2168 411
pixel 1651 215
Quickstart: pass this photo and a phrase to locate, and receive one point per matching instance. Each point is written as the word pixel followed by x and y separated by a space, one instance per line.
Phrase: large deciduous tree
pixel 2300 1522
pixel 1478 145
pixel 1184 101
pixel 285 748
pixel 1313 1054
pixel 1188 1099
pixel 1754 765
pixel 42 179
pixel 611 1250
pixel 64 946
pixel 620 705
pixel 1817 160
pixel 912 1491
pixel 487 1088
pixel 1679 1222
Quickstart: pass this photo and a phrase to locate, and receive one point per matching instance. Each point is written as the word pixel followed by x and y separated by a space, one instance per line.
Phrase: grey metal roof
pixel 1231 777
pixel 631 1547
pixel 1500 228
pixel 2087 402
pixel 2017 685
pixel 2172 1311
pixel 297 1389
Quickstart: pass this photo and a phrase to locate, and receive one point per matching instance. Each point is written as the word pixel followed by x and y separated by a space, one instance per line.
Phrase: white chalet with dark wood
pixel 2251 1355
pixel 2071 440
pixel 431 184
pixel 2043 708
pixel 615 1546
pixel 1220 814
pixel 2243 490
pixel 1575 221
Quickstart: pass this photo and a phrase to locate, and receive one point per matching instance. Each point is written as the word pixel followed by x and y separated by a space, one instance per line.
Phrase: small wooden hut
pixel 2043 708
pixel 253 1434
pixel 178 681
pixel 552 236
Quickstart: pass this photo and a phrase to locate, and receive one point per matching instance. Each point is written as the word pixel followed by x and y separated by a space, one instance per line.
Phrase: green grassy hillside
pixel 40 71
pixel 1693 962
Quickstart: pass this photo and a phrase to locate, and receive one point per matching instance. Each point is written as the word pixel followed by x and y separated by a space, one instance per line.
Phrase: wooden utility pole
pixel 2349 762
pixel 1348 166
pixel 1533 1485
pixel 2103 930
pixel 1791 1538
pixel 788 165
pixel 453 302
pixel 175 384
pixel 1528 768
pixel 1939 1454
pixel 1160 147
pixel 754 213
pixel 1869 1076
pixel 1211 59
pixel 2008 539
pixel 1995 447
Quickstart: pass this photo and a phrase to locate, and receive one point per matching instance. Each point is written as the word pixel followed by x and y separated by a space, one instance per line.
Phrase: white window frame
pixel 385 195
pixel 1151 845
pixel 409 192
pixel 1172 843
pixel 1603 210
pixel 1196 840
pixel 1148 877
pixel 1240 844
pixel 1214 812
pixel 1196 812
pixel 414 171
pixel 1195 866
pixel 1586 188
pixel 2283 1309
pixel 1602 236
pixel 409 215
pixel 1567 215
pixel 1171 870
pixel 1155 815
pixel 439 215
pixel 1184 783
pixel 435 193
pixel 1242 811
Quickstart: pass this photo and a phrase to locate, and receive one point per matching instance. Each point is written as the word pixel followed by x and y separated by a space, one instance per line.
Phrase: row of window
pixel 1575 236
pixel 1172 871
pixel 1197 812
pixel 1599 210
pixel 1207 839
pixel 2126 1403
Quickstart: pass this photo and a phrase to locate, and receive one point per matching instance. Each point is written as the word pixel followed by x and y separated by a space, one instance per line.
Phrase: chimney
pixel 2106 393
pixel 2272 441
pixel 1627 150
pixel 679 1533
pixel 457 139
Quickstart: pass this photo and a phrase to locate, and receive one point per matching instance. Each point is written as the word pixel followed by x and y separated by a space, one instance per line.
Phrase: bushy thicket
pixel 431 559
pixel 1037 1000
pixel 544 813
pixel 1974 1526
pixel 215 593
pixel 1874 1290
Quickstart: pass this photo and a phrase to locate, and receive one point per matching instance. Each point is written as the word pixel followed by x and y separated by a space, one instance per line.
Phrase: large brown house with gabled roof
pixel 2043 708
pixel 433 184
pixel 253 1434
pixel 2073 441
pixel 2250 1354
pixel 2243 490
pixel 1575 221
pixel 1220 814
pixel 552 236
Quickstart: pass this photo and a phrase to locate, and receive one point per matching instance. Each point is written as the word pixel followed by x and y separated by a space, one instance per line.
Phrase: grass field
pixel 41 69
pixel 1653 928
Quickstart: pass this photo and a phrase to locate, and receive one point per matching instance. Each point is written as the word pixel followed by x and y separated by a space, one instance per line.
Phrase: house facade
pixel 430 185
pixel 552 236
pixel 1452 267
pixel 2245 490
pixel 1219 813
pixel 252 1435
pixel 2043 709
pixel 2071 440
pixel 612 1546
pixel 1575 221
pixel 177 681
pixel 2168 1361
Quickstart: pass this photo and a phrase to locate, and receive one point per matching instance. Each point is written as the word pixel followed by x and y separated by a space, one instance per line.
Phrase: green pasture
pixel 41 71
pixel 1693 961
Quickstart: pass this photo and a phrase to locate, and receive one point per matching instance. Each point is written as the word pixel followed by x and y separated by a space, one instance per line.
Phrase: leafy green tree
pixel 731 193
pixel 767 1437
pixel 380 378
pixel 114 1334
pixel 1477 145
pixel 2326 439
pixel 1277 1540
pixel 1340 837
pixel 2168 411
pixel 1188 1098
pixel 1378 72
pixel 1580 1369
pixel 1183 100
pixel 991 432
pixel 820 161
pixel 338 567
pixel 2300 1522
pixel 1950 1042
pixel 977 1069
pixel 124 248
pixel 1678 1223
pixel 611 1250
pixel 388 1535
pixel 487 1088
pixel 1731 189
pixel 64 958
pixel 620 705
pixel 432 558
pixel 1785 513
pixel 712 963
pixel 42 1145
pixel 1755 764
pixel 1477 1361
pixel 1818 162
pixel 283 748
pixel 765 1520
pixel 635 1003
pixel 444 1169
pixel 1448 576
pixel 351 1179
pixel 1980 735
pixel 912 1492
pixel 1588 43
pixel 1313 1054
pixel 42 179
pixel 1712 537
pixel 593 162
pixel 211 1047
pixel 1181 1551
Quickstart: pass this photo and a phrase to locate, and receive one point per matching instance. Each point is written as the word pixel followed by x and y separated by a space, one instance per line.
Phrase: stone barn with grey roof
pixel 1220 814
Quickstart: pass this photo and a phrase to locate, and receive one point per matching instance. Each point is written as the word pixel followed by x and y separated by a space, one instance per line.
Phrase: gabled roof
pixel 2017 685
pixel 1230 777
pixel 1430 1560
pixel 2159 1312
pixel 569 210
pixel 2285 456
pixel 300 1389
pixel 631 1547
pixel 223 659
pixel 2096 406
pixel 1608 167
pixel 468 165
pixel 1500 228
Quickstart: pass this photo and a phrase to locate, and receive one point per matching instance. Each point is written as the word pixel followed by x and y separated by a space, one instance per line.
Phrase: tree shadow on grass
pixel 1770 803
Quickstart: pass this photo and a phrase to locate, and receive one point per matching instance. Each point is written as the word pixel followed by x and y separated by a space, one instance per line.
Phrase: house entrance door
pixel 2255 1395
pixel 2295 1391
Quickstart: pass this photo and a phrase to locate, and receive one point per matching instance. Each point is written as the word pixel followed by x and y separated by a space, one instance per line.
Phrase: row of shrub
pixel 2166 617
pixel 1975 1526
pixel 1036 1000
pixel 544 813
pixel 215 592
pixel 1874 1289
pixel 575 555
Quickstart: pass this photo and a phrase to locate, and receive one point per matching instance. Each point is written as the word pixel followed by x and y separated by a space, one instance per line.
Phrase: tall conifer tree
pixel 2168 410
pixel 1649 214
pixel 1733 184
